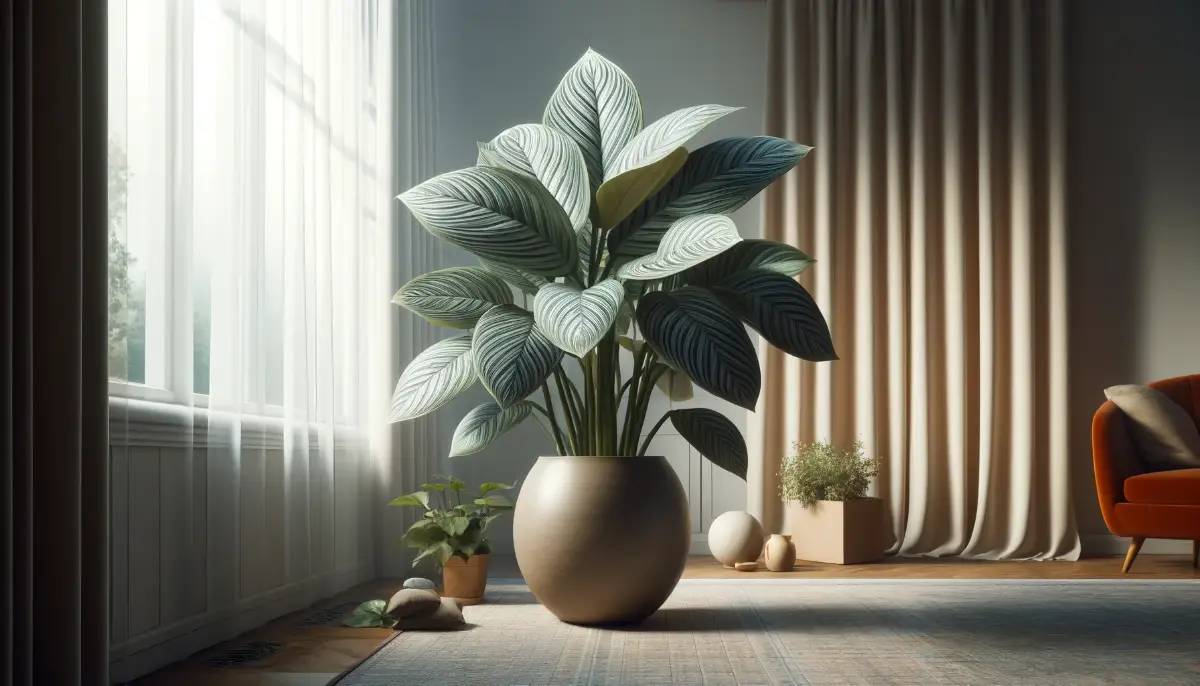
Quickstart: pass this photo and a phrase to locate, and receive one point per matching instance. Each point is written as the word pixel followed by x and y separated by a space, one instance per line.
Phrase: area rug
pixel 825 632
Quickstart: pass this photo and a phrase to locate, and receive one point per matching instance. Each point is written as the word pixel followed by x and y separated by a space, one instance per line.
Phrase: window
pixel 244 200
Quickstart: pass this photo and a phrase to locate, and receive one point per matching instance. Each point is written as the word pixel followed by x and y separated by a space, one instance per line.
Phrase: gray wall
pixel 1133 75
pixel 497 64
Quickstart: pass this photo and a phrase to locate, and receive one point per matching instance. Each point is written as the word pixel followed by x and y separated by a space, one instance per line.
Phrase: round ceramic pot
pixel 602 540
pixel 465 579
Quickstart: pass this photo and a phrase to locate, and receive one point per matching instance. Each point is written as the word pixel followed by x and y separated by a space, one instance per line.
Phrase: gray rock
pixel 418 582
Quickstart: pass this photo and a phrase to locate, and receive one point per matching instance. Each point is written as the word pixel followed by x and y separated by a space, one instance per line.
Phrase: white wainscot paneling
pixel 210 540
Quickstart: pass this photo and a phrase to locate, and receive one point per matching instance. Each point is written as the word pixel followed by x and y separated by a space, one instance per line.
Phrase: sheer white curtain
pixel 251 195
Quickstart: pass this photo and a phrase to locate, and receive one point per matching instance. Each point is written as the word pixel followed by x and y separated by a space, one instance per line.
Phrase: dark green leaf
pixel 748 254
pixel 714 436
pixel 781 310
pixel 693 332
pixel 716 179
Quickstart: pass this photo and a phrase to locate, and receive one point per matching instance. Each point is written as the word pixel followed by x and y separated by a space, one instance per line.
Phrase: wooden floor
pixel 311 656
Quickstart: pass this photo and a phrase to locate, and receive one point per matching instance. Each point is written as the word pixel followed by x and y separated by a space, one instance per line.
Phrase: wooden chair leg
pixel 1196 553
pixel 1134 546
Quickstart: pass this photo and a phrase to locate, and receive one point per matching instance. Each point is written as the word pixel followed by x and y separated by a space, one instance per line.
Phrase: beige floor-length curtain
pixel 934 206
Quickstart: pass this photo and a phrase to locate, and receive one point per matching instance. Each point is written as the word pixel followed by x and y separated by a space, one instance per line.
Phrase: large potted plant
pixel 632 278
pixel 452 531
pixel 835 522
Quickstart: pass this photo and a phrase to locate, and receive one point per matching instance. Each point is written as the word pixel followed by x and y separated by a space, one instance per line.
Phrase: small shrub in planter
pixel 836 521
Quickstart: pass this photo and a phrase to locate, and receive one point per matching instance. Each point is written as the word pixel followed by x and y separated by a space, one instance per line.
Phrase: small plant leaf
pixel 420 498
pixel 372 613
pixel 489 486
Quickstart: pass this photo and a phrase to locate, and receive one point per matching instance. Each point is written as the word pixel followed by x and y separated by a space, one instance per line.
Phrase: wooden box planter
pixel 840 533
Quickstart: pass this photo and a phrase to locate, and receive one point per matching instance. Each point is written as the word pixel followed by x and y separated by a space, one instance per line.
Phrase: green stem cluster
pixel 590 421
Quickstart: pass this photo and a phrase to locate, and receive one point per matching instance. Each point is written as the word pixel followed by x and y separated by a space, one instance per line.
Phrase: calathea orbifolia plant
pixel 619 237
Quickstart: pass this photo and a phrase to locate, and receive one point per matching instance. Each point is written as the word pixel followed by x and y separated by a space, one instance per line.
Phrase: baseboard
pixel 1107 544
pixel 155 650
pixel 699 545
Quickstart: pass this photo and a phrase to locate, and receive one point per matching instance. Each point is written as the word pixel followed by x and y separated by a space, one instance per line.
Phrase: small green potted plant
pixel 836 521
pixel 453 532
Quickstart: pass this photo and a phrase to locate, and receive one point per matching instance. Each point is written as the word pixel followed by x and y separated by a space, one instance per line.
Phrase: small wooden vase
pixel 780 554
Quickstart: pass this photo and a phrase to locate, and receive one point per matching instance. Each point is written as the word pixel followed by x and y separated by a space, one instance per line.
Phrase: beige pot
pixel 841 533
pixel 779 553
pixel 465 579
pixel 602 540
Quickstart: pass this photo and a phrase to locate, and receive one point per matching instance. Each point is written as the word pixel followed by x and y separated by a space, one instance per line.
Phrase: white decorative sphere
pixel 735 537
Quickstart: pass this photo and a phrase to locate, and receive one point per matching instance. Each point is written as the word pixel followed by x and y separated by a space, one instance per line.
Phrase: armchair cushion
pixel 1164 434
pixel 1174 487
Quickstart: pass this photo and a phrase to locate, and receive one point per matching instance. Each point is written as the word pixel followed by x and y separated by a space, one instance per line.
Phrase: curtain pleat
pixel 933 204
pixel 53 309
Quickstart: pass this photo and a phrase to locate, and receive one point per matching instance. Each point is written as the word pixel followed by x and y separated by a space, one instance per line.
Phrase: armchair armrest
pixel 1114 460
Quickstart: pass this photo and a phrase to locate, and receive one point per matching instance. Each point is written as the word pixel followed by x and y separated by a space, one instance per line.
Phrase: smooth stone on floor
pixel 418 582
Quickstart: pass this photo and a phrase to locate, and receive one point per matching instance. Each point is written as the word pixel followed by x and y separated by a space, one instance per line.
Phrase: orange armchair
pixel 1140 504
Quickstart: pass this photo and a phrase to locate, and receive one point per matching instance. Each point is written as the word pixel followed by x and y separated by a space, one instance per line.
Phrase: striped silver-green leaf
pixel 693 332
pixel 486 156
pixel 576 319
pixel 597 106
pixel 524 281
pixel 650 160
pixel 781 310
pixel 499 215
pixel 485 424
pixel 748 254
pixel 662 137
pixel 435 377
pixel 716 179
pixel 583 240
pixel 688 242
pixel 456 297
pixel 714 436
pixel 512 355
pixel 552 158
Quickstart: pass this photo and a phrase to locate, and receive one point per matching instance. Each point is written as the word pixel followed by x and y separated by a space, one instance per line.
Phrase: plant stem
pixel 650 436
pixel 596 251
pixel 558 441
pixel 570 418
pixel 628 438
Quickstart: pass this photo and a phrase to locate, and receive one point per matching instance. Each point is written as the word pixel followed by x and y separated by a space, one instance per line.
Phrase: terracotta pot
pixel 465 579
pixel 780 554
pixel 839 532
pixel 602 540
